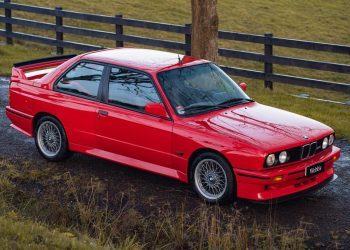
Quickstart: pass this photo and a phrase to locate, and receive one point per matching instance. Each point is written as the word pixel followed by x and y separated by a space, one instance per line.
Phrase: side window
pixel 84 79
pixel 131 89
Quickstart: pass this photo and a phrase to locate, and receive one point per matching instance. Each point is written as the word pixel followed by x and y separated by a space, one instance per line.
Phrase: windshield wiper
pixel 234 101
pixel 223 105
pixel 202 107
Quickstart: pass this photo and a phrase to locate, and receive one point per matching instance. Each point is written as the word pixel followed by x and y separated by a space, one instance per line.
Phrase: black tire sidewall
pixel 230 193
pixel 63 153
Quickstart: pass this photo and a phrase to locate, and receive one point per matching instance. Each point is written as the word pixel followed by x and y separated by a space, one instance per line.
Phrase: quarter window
pixel 84 79
pixel 131 89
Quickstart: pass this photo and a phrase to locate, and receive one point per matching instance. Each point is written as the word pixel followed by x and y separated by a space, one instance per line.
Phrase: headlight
pixel 283 157
pixel 270 160
pixel 331 139
pixel 325 143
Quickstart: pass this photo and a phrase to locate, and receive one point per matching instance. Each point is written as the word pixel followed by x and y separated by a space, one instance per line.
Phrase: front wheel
pixel 51 139
pixel 213 179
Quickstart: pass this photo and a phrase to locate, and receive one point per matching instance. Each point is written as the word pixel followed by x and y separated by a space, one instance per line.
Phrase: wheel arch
pixel 66 153
pixel 200 151
pixel 40 115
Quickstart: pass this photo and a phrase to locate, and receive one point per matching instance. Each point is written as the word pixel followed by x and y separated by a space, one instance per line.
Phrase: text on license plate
pixel 315 169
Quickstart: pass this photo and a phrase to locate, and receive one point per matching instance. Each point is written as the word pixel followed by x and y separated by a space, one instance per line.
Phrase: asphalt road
pixel 327 211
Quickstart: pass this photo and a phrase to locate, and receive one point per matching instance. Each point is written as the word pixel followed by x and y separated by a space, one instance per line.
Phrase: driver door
pixel 124 130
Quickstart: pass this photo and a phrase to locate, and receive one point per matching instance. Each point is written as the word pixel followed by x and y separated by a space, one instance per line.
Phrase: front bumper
pixel 261 186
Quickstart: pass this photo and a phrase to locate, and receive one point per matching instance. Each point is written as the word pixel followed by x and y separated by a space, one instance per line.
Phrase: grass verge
pixel 21 233
pixel 46 210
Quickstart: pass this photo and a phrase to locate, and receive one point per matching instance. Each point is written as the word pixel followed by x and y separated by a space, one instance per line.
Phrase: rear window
pixel 83 80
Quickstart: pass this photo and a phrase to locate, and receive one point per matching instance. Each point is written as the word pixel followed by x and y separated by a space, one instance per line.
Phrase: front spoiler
pixel 297 194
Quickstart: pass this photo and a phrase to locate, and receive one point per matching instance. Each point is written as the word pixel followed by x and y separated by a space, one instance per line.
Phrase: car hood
pixel 266 127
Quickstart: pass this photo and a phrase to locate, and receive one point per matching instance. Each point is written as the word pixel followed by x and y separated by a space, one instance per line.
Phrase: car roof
pixel 142 59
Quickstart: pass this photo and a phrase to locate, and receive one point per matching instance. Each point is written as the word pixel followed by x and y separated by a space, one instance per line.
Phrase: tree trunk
pixel 205 24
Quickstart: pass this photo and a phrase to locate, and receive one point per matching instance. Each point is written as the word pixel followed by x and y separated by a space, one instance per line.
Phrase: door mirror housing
pixel 243 86
pixel 156 109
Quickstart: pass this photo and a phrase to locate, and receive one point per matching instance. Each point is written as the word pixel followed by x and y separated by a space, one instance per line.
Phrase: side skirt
pixel 142 165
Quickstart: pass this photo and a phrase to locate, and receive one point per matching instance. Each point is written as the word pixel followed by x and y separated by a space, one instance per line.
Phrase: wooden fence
pixel 268 41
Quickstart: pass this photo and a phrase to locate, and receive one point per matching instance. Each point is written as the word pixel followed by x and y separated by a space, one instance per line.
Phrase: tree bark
pixel 205 25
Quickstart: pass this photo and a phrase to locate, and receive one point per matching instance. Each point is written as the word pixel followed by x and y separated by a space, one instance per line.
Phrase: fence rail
pixel 268 41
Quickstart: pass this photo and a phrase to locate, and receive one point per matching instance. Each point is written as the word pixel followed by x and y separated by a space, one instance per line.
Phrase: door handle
pixel 101 113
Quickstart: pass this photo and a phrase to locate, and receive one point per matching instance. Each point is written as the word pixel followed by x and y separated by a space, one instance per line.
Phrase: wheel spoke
pixel 49 138
pixel 210 178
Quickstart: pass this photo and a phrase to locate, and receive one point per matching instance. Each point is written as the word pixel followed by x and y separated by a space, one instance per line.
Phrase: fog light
pixel 325 143
pixel 278 178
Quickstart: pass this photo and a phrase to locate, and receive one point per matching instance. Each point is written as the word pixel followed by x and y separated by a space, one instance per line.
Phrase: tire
pixel 212 178
pixel 51 140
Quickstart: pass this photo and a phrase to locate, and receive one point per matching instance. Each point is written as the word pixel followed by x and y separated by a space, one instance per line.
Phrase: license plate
pixel 315 169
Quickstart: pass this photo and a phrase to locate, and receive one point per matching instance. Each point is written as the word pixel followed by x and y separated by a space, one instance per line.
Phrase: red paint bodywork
pixel 244 134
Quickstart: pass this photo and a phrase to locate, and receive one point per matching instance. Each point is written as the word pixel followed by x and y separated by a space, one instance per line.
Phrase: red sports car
pixel 173 115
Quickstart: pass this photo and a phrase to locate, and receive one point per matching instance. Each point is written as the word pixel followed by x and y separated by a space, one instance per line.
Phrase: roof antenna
pixel 178 57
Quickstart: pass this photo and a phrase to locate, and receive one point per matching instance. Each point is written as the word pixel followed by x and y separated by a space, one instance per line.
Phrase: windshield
pixel 200 88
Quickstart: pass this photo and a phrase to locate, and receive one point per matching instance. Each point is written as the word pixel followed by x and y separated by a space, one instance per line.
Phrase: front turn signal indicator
pixel 336 157
pixel 278 178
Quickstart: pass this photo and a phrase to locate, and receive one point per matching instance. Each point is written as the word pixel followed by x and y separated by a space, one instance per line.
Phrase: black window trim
pixel 104 96
pixel 204 112
pixel 172 106
pixel 99 93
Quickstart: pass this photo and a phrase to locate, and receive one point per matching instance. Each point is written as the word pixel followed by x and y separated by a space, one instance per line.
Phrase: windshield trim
pixel 204 111
pixel 210 110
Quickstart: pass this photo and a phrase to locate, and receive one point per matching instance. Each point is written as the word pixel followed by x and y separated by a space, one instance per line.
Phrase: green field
pixel 92 226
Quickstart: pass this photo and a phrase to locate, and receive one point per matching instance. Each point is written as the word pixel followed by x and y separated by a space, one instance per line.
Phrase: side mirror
pixel 243 86
pixel 156 109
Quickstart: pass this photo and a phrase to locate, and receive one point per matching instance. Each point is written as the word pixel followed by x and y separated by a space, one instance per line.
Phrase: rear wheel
pixel 51 139
pixel 213 179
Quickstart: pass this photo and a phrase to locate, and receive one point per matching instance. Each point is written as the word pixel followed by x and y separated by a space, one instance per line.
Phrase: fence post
pixel 119 32
pixel 188 38
pixel 268 66
pixel 59 34
pixel 8 26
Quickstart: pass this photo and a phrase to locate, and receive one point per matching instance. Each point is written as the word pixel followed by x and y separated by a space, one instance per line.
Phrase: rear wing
pixel 36 69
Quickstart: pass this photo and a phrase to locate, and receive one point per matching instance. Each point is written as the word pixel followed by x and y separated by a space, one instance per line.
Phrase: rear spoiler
pixel 37 68
pixel 42 60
